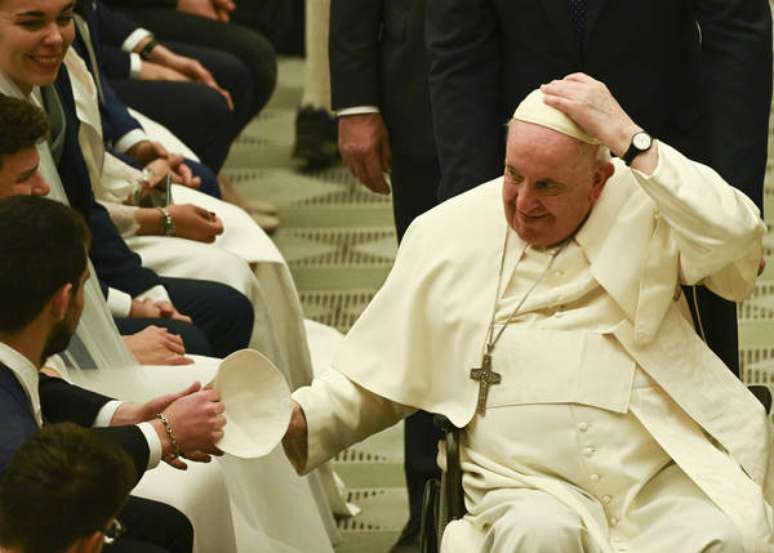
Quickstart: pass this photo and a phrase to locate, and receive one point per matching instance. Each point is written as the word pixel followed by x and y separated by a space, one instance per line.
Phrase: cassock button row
pixel 588 451
pixel 594 477
pixel 583 426
pixel 613 521
pixel 607 499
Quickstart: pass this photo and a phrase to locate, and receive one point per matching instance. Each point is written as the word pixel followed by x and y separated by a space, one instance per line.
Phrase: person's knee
pixel 258 55
pixel 179 530
pixel 538 530
pixel 235 319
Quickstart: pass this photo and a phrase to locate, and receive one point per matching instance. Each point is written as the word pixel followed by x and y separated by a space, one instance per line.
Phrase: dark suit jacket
pixel 60 402
pixel 114 28
pixel 116 265
pixel 377 55
pixel 116 119
pixel 706 92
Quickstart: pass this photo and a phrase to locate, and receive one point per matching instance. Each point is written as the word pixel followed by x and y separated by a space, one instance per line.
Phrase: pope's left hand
pixel 590 104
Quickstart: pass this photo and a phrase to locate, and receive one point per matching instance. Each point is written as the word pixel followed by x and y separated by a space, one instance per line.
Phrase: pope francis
pixel 595 419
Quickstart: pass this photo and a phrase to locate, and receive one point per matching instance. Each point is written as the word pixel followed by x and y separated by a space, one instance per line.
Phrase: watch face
pixel 642 140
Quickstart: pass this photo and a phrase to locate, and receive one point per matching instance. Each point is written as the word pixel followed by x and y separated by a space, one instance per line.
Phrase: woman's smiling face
pixel 34 38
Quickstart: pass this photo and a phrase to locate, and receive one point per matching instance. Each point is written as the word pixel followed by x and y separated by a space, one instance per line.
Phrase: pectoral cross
pixel 486 377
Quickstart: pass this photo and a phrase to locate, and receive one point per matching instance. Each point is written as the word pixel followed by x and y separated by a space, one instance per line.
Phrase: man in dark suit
pixel 42 279
pixel 696 75
pixel 379 91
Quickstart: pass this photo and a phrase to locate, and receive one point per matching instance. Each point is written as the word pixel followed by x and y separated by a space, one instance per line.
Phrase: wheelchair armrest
pixel 454 497
pixel 763 393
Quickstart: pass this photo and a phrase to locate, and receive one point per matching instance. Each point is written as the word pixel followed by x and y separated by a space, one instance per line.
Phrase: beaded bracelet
pixel 168 427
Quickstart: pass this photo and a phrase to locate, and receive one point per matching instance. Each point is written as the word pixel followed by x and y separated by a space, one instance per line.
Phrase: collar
pixel 26 373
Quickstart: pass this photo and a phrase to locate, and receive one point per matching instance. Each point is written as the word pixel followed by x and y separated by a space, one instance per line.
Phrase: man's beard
pixel 58 339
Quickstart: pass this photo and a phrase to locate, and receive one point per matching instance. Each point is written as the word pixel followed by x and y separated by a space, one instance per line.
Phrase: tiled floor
pixel 339 242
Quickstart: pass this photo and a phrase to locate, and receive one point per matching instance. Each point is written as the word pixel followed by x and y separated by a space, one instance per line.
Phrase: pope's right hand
pixel 295 441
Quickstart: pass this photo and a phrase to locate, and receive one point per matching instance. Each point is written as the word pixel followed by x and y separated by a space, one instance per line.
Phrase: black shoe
pixel 408 542
pixel 317 137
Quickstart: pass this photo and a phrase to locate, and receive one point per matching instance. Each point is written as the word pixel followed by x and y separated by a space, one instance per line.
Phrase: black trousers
pixel 224 315
pixel 152 527
pixel 247 45
pixel 195 113
pixel 415 190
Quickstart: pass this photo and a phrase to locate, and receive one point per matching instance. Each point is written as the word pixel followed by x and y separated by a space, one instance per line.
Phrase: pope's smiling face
pixel 551 182
pixel 34 38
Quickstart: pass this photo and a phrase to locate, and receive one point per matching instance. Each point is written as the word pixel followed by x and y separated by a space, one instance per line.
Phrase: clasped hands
pixel 196 418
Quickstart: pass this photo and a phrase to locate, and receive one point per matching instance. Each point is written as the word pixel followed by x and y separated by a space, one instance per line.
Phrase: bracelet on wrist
pixel 167 223
pixel 170 434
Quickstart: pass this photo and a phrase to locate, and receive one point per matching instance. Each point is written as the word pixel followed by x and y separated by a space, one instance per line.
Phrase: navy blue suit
pixel 60 402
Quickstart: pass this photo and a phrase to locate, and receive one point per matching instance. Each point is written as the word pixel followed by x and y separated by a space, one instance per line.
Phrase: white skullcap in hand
pixel 533 110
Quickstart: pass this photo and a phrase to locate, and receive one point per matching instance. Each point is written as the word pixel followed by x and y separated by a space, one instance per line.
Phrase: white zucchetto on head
pixel 534 110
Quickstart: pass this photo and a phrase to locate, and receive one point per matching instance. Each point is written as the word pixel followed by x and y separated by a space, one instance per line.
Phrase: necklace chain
pixel 492 339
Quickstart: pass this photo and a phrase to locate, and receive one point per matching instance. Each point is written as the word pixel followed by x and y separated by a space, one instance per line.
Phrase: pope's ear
pixel 602 172
pixel 61 301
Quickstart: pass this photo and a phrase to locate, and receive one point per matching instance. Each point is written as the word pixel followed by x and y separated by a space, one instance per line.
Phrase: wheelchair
pixel 444 499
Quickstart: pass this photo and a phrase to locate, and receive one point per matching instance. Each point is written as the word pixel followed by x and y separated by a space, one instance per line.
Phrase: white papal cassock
pixel 615 428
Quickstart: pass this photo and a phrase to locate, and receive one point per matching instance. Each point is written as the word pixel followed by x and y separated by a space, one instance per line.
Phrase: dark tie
pixel 578 14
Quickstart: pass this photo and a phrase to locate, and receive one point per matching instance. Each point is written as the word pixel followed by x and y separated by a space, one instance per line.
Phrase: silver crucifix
pixel 485 377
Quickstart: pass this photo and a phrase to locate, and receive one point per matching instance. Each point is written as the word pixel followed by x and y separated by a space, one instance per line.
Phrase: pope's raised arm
pixel 716 228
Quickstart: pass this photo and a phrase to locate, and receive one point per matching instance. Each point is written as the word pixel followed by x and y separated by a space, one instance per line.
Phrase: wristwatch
pixel 167 224
pixel 148 48
pixel 641 142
